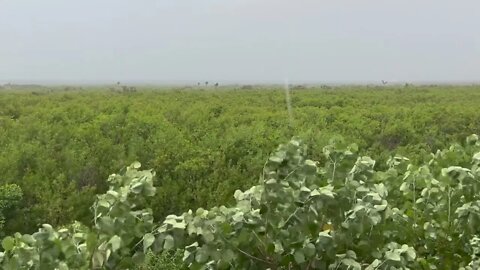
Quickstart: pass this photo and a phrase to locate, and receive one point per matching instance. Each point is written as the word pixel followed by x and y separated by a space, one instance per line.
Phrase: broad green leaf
pixel 411 254
pixel 309 250
pixel 8 243
pixel 238 217
pixel 278 247
pixel 169 242
pixel 208 236
pixel 136 165
pixel 299 257
pixel 228 255
pixel 201 256
pixel 404 187
pixel 472 139
pixel 148 240
pixel 393 256
pixel 98 259
pixel 116 242
pixel 137 187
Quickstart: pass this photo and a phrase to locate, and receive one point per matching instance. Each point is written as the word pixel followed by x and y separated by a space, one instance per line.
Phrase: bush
pixel 338 213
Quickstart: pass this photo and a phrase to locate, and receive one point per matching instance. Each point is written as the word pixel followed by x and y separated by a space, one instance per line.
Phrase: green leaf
pixel 228 255
pixel 238 217
pixel 299 257
pixel 136 165
pixel 62 266
pixel 187 255
pixel 201 256
pixel 375 218
pixel 276 159
pixel 116 242
pixel 137 187
pixel 8 243
pixel 472 139
pixel 180 225
pixel 411 254
pixel 278 247
pixel 148 240
pixel 393 256
pixel 208 236
pixel 238 195
pixel 98 259
pixel 169 242
pixel 314 193
pixel 309 250
pixel 351 263
pixel 271 182
pixel 27 238
pixel 404 187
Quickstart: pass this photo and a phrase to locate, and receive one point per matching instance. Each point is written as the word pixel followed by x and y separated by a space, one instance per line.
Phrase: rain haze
pixel 236 41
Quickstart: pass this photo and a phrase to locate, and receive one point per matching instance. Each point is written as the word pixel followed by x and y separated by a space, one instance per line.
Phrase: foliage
pixel 59 146
pixel 10 196
pixel 163 261
pixel 120 223
pixel 337 213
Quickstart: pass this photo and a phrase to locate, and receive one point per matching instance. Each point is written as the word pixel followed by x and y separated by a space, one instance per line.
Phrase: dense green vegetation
pixel 60 146
pixel 10 196
pixel 340 213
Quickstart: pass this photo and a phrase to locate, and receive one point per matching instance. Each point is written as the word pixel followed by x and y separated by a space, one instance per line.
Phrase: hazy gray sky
pixel 239 40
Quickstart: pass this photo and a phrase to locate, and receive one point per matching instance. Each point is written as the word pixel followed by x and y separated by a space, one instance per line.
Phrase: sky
pixel 239 41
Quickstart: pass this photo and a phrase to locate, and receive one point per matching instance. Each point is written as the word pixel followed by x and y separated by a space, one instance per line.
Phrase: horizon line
pixel 48 82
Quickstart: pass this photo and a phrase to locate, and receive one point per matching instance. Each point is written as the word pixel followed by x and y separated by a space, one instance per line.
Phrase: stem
pixel 296 210
pixel 251 256
pixel 263 171
pixel 449 204
pixel 290 174
pixel 380 265
pixel 243 252
pixel 261 242
pixel 334 169
pixel 290 217
pixel 414 203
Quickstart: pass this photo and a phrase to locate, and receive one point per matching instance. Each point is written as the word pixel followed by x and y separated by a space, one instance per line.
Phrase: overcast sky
pixel 239 40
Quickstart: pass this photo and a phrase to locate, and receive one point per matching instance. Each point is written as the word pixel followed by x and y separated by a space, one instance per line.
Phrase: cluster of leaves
pixel 120 223
pixel 339 213
pixel 302 215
